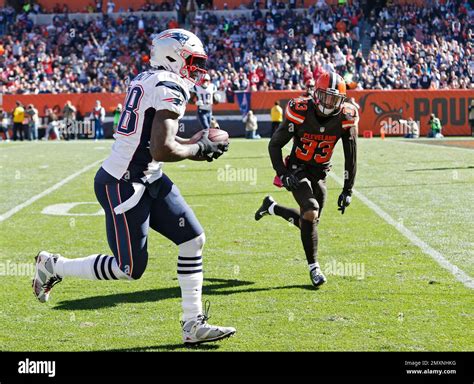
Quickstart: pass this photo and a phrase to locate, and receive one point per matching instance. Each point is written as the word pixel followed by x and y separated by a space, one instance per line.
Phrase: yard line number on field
pixel 46 192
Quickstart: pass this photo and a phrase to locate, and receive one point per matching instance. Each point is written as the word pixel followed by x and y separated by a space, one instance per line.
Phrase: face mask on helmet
pixel 195 67
pixel 329 101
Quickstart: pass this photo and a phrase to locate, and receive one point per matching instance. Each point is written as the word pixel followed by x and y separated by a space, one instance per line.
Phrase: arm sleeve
pixel 349 143
pixel 280 138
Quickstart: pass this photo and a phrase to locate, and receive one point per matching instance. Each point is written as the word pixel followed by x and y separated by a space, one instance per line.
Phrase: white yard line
pixel 458 273
pixel 46 192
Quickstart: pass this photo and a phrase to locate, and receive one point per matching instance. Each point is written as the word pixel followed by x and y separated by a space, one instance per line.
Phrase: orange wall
pixel 376 106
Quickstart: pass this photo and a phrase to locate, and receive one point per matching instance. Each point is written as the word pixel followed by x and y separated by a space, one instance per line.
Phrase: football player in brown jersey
pixel 315 125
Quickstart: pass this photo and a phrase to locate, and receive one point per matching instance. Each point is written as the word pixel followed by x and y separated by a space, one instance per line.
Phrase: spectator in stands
pixel 435 127
pixel 276 116
pixel 251 126
pixel 117 114
pixel 69 117
pixel 309 88
pixel 18 118
pixel 110 7
pixel 98 116
pixel 4 125
pixel 33 122
pixel 413 46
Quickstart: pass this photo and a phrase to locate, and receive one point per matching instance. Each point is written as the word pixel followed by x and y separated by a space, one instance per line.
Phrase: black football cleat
pixel 263 210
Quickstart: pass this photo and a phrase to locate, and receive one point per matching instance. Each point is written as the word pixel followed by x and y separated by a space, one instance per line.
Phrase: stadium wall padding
pixel 377 108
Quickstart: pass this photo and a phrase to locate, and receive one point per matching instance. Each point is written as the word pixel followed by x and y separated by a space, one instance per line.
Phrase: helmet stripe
pixel 333 80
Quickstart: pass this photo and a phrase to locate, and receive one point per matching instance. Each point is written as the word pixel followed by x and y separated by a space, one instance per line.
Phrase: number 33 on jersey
pixel 315 137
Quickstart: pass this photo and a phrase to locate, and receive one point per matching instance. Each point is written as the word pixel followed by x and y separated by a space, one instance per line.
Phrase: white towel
pixel 139 190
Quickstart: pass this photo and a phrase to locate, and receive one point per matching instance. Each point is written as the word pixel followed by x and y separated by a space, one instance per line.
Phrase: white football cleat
pixel 45 276
pixel 197 331
pixel 317 277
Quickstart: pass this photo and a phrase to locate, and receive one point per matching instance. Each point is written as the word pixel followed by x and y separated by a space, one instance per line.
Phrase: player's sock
pixel 309 238
pixel 289 214
pixel 313 266
pixel 190 276
pixel 271 208
pixel 94 267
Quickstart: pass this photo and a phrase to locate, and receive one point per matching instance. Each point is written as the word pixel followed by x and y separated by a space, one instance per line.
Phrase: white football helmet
pixel 181 52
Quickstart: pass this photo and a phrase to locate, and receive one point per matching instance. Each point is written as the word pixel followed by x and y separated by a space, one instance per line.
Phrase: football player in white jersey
pixel 135 193
pixel 205 95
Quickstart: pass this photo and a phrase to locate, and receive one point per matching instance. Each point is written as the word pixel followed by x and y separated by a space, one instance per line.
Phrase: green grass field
pixel 255 272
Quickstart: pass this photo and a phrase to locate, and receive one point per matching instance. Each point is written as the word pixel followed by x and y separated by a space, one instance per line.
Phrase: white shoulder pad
pixel 171 93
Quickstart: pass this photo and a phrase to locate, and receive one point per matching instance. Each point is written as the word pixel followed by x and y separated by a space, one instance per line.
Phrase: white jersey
pixel 205 96
pixel 150 91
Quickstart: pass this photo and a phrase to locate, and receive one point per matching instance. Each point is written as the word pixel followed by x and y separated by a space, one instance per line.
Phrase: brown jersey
pixel 314 138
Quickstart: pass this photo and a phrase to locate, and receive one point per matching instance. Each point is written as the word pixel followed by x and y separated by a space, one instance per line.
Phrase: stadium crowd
pixel 411 47
pixel 421 47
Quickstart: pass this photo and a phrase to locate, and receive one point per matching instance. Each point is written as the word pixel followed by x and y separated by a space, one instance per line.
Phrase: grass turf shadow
pixel 165 347
pixel 216 287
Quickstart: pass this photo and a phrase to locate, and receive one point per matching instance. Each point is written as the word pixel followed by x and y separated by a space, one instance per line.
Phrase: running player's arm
pixel 163 143
pixel 280 138
pixel 182 140
pixel 285 132
pixel 349 143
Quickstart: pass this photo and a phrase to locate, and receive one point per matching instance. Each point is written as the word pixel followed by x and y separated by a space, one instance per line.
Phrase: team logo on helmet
pixel 181 37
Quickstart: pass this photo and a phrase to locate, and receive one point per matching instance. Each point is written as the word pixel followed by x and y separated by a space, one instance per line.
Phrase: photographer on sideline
pixel 435 127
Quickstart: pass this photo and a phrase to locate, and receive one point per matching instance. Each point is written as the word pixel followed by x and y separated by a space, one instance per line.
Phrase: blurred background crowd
pixel 268 46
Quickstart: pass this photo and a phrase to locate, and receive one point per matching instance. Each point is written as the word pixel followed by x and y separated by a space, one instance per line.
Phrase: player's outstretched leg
pixel 270 207
pixel 125 234
pixel 52 268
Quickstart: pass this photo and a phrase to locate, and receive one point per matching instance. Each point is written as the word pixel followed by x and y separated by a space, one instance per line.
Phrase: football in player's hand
pixel 214 135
